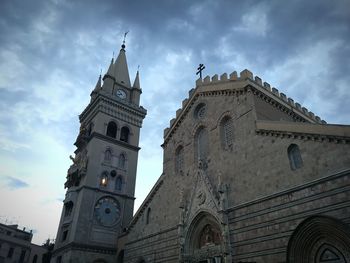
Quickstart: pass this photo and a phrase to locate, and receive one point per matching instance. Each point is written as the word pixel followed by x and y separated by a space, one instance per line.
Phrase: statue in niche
pixel 209 235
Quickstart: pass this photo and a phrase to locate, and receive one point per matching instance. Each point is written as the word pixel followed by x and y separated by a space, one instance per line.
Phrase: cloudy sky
pixel 52 52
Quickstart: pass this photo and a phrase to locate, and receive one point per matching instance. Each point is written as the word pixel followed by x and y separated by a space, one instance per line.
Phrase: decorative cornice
pixel 304 136
pixel 304 131
pixel 114 141
pixel 79 188
pixel 116 107
pixel 84 247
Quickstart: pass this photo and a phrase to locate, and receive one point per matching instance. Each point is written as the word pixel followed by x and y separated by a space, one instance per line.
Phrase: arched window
pixel 68 208
pixel 112 129
pixel 104 179
pixel 148 215
pixel 119 183
pixel 179 159
pixel 294 156
pixel 108 155
pixel 201 143
pixel 227 132
pixel 121 162
pixel 124 134
pixel 35 259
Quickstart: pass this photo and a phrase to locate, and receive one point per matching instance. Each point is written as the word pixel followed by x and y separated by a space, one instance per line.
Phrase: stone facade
pixel 245 168
pixel 249 175
pixel 99 201
pixel 16 246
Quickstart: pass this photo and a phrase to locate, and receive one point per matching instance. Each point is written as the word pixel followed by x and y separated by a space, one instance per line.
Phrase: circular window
pixel 200 111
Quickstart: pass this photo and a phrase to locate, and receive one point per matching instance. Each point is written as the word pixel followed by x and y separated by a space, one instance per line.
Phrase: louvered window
pixel 228 132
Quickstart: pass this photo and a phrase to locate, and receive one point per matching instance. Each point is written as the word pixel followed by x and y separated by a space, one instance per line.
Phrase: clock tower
pixel 100 184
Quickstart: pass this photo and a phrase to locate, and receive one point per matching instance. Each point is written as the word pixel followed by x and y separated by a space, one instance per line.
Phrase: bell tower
pixel 100 184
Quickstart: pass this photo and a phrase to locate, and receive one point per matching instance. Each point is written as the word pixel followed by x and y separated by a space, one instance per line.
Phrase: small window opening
pixel 21 258
pixel 124 134
pixel 113 173
pixel 179 159
pixel 227 132
pixel 112 129
pixel 118 183
pixel 90 128
pixel 294 156
pixel 68 208
pixel 10 252
pixel 202 144
pixel 64 235
pixel 104 179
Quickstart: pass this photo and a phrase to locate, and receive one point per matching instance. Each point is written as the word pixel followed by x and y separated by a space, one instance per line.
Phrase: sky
pixel 52 52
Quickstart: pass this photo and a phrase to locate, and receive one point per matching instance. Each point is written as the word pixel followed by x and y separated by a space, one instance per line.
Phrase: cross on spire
pixel 123 46
pixel 200 69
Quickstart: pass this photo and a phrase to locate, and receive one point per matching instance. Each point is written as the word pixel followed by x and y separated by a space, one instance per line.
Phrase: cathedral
pixel 249 175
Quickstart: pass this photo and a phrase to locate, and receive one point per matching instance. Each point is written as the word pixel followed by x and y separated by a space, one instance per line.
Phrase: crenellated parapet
pixel 248 75
pixel 263 88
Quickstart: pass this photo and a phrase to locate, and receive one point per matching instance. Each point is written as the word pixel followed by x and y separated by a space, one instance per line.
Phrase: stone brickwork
pixel 260 230
pixel 165 242
pixel 242 200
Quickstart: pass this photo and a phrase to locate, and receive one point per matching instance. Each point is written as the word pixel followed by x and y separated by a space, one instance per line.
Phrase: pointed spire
pixel 121 72
pixel 97 87
pixel 98 84
pixel 137 81
pixel 111 67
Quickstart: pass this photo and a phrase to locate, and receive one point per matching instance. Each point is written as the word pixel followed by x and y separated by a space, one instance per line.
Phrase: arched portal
pixel 204 240
pixel 320 239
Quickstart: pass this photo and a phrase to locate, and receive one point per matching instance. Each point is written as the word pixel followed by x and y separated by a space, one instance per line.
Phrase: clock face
pixel 107 211
pixel 121 94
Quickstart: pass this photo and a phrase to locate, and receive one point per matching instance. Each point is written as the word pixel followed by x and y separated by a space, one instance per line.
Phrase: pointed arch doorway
pixel 320 239
pixel 204 241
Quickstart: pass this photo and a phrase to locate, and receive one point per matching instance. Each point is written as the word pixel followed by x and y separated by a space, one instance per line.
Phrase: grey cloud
pixel 77 38
pixel 14 183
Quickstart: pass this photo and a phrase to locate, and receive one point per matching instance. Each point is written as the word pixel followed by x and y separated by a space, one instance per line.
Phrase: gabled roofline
pixel 234 84
pixel 147 200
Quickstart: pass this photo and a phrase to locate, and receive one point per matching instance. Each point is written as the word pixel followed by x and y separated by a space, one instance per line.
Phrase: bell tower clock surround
pixel 100 184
